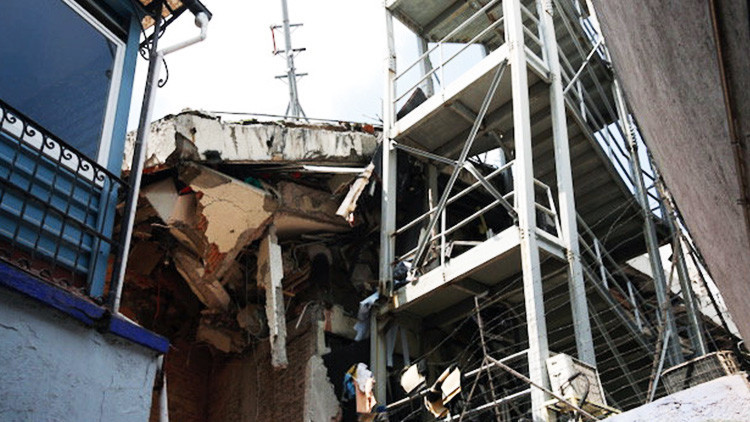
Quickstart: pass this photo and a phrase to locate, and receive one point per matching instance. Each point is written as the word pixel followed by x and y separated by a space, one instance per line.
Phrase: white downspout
pixel 139 149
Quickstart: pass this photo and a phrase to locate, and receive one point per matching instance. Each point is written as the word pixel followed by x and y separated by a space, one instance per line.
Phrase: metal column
pixel 294 109
pixel 387 213
pixel 524 187
pixel 566 197
pixel 652 244
pixel 139 158
pixel 697 339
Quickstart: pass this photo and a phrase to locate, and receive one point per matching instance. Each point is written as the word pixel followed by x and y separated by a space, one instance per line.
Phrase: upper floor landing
pixel 436 112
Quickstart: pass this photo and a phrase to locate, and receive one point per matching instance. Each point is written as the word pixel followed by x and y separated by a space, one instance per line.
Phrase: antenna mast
pixel 294 109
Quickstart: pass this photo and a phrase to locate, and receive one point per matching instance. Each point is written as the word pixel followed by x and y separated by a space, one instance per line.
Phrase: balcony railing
pixel 57 207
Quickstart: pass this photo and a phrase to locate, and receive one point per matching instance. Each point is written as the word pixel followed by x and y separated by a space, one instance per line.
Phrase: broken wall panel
pixel 270 274
pixel 234 212
pixel 306 210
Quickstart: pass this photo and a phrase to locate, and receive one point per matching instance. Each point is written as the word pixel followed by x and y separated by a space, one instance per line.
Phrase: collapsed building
pixel 242 259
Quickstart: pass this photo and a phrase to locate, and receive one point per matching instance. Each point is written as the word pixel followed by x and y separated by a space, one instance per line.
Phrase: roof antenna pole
pixel 294 109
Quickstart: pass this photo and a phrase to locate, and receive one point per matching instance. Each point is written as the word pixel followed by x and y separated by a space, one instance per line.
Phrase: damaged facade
pixel 240 258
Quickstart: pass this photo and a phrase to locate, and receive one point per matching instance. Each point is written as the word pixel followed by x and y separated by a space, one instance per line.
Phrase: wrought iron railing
pixel 57 207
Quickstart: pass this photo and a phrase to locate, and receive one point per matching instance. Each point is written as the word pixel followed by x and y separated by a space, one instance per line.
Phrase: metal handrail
pixel 454 198
pixel 605 254
pixel 10 114
pixel 77 204
pixel 551 211
pixel 586 26
pixel 450 34
pixel 594 113
pixel 445 61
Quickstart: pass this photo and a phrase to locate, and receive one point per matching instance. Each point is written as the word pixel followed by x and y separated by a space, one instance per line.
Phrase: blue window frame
pixel 61 79
pixel 61 68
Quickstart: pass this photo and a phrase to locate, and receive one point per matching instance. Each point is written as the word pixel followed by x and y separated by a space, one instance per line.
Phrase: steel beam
pixel 697 339
pixel 491 189
pixel 652 244
pixel 424 240
pixel 388 211
pixel 524 186
pixel 378 356
pixel 565 193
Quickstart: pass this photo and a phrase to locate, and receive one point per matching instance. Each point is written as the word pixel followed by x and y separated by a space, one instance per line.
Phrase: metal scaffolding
pixel 565 209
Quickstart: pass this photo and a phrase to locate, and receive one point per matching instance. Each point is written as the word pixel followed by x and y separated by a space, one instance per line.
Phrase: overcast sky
pixel 234 69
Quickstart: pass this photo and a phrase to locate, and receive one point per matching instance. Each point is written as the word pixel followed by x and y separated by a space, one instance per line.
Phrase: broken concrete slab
pixel 252 142
pixel 214 218
pixel 208 290
pixel 339 323
pixel 230 207
pixel 302 209
pixel 321 403
pixel 349 204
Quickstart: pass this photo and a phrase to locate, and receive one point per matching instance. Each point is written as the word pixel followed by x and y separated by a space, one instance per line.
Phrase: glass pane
pixel 56 68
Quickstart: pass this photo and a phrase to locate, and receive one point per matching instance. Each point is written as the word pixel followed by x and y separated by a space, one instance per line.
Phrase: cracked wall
pixel 77 373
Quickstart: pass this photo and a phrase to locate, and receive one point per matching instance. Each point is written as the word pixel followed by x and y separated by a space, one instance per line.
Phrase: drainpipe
pixel 163 403
pixel 139 149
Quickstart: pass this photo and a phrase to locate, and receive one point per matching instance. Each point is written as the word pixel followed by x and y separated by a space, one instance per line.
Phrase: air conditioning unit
pixel 578 383
pixel 699 370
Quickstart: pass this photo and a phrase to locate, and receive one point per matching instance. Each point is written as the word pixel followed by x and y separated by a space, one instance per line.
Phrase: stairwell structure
pixel 570 184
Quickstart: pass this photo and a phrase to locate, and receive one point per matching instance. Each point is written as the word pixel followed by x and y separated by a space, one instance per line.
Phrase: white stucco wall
pixel 53 368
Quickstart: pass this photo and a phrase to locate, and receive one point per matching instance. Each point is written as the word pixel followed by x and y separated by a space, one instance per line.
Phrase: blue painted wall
pixel 56 369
